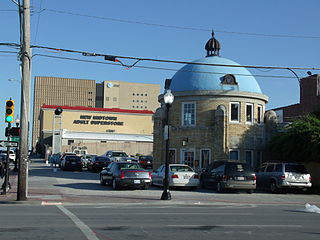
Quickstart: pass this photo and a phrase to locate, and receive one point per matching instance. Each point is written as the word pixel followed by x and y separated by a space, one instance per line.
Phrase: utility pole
pixel 25 56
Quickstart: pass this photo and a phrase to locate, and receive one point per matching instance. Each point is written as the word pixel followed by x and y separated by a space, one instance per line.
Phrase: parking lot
pixel 53 185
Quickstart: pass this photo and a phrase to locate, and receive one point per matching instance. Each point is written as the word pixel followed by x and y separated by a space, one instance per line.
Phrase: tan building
pixel 217 114
pixel 60 91
pixel 97 130
pixel 88 93
pixel 127 95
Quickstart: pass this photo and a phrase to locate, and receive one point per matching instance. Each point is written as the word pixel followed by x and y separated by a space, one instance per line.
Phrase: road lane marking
pixel 238 225
pixel 90 235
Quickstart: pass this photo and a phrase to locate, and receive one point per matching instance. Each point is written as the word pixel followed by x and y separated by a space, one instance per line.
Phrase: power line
pixel 171 61
pixel 159 68
pixel 114 58
pixel 179 27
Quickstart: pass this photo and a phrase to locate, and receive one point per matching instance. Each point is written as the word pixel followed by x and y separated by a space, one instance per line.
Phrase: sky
pixel 261 33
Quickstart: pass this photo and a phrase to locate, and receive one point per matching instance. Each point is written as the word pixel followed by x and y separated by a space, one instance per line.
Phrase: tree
pixel 300 143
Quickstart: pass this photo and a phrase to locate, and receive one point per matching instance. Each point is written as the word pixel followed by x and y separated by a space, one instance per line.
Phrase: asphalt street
pixel 73 205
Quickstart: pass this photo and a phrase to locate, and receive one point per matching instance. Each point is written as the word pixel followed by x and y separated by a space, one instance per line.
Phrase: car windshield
pixel 119 154
pixel 237 167
pixel 181 169
pixel 73 158
pixel 296 168
pixel 129 166
pixel 145 158
pixel 101 159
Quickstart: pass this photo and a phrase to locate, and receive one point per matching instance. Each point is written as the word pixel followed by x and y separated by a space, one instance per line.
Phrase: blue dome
pixel 201 77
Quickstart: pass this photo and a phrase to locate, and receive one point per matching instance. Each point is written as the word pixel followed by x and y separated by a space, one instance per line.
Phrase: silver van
pixel 277 176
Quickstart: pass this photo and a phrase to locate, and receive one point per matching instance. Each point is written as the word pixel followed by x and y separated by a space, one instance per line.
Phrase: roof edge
pixel 92 109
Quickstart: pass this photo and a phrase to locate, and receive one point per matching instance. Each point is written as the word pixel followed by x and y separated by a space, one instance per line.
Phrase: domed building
pixel 217 113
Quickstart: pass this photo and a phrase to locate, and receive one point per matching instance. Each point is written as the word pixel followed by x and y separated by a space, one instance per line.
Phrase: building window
pixel 259 117
pixel 137 94
pixel 137 100
pixel 133 94
pixel 132 106
pixel 188 158
pixel 234 155
pixel 248 157
pixel 107 98
pixel 146 94
pixel 234 112
pixel 249 113
pixel 188 114
pixel 114 99
pixel 132 100
pixel 70 142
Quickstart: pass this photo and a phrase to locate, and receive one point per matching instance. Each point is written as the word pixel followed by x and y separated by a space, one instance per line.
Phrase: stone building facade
pixel 217 114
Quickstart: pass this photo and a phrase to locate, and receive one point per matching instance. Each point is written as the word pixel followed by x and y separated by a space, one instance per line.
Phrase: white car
pixel 12 156
pixel 180 175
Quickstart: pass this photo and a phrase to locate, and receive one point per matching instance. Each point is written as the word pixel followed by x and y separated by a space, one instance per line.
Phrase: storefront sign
pixel 98 120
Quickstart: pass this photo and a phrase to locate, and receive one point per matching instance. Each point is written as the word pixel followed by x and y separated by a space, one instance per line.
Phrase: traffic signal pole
pixel 25 55
pixel 6 177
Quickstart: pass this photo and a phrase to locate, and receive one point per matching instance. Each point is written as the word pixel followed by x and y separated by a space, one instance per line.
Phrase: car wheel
pixel 114 184
pixel 250 191
pixel 102 181
pixel 273 187
pixel 220 189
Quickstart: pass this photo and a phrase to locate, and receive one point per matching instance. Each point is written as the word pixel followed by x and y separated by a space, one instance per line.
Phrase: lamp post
pixel 168 100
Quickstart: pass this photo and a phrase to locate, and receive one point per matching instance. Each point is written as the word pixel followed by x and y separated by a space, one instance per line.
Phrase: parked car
pixel 71 162
pixel 180 175
pixel 146 161
pixel 63 155
pixel 98 163
pixel 116 156
pixel 277 176
pixel 55 159
pixel 125 174
pixel 86 159
pixel 12 156
pixel 229 175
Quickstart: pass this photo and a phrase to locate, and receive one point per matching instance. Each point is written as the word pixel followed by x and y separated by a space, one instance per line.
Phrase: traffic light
pixel 9 111
pixel 12 132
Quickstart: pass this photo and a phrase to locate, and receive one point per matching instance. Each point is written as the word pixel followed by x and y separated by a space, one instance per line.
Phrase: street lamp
pixel 168 100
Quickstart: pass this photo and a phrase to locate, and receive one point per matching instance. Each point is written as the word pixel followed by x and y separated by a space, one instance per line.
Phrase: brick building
pixel 217 113
pixel 309 100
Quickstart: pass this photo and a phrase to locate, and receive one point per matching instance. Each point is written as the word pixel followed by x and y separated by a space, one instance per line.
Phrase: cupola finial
pixel 213 46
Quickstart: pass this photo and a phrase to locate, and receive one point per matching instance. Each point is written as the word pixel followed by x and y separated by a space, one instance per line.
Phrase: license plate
pixel 73 163
pixel 186 176
pixel 240 178
pixel 136 181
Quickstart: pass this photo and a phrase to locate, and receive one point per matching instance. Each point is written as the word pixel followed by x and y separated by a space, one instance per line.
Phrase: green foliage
pixel 301 143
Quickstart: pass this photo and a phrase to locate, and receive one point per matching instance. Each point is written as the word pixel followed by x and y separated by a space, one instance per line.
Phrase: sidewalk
pixel 12 194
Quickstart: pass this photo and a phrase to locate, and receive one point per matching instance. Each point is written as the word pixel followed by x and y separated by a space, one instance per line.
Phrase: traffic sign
pixel 4 143
pixel 15 139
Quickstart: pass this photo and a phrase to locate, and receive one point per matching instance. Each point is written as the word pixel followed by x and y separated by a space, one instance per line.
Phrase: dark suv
pixel 277 176
pixel 229 175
